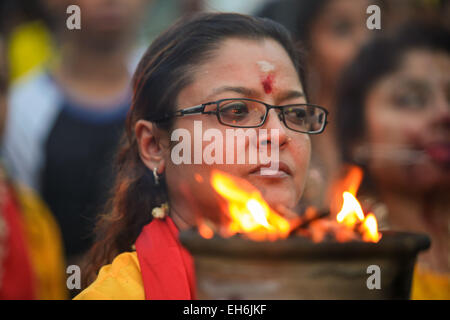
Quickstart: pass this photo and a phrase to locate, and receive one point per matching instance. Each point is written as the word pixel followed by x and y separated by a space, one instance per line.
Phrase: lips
pixel 283 170
pixel 439 152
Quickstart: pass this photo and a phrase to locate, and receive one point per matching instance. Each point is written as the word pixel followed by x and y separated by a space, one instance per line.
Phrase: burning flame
pixel 249 212
pixel 352 213
pixel 250 215
pixel 370 229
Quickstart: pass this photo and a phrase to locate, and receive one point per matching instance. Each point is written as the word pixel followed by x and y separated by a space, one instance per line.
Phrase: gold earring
pixel 161 212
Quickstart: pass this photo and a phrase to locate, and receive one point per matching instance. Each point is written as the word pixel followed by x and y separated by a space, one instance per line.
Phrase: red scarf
pixel 167 268
pixel 17 278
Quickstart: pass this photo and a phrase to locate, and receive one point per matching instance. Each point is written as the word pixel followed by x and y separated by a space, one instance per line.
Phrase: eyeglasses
pixel 249 113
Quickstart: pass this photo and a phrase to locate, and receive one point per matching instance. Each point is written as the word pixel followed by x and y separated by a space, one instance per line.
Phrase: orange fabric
pixel 167 268
pixel 44 246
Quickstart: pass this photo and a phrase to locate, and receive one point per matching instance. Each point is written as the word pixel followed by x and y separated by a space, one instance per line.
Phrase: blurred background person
pixel 393 116
pixel 31 256
pixel 330 33
pixel 66 117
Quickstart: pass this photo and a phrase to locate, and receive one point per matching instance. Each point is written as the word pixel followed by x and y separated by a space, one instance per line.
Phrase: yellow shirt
pixel 120 280
pixel 428 285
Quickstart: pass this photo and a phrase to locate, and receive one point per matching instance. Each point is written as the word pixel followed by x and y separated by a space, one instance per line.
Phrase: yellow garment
pixel 121 280
pixel 428 285
pixel 30 46
pixel 45 247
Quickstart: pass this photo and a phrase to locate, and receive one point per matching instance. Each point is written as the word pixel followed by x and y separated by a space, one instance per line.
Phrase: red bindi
pixel 267 83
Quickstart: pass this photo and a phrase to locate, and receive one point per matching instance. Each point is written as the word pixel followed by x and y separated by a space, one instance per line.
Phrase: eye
pixel 411 100
pixel 342 27
pixel 296 115
pixel 234 109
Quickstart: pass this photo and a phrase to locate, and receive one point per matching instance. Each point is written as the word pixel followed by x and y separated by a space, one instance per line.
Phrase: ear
pixel 151 148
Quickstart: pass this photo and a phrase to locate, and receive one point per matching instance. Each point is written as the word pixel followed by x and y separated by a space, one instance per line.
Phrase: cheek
pixel 390 127
pixel 300 150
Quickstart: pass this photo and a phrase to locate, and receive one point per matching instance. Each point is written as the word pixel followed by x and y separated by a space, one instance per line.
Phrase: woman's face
pixel 408 123
pixel 260 70
pixel 336 36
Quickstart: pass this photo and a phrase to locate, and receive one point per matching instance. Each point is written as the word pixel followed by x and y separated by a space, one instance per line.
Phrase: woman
pixel 63 148
pixel 198 62
pixel 394 119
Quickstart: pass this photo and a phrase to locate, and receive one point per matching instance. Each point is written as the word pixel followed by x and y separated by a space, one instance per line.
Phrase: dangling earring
pixel 155 175
pixel 161 212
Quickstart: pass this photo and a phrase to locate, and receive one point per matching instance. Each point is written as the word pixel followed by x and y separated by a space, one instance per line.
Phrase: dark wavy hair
pixel 165 69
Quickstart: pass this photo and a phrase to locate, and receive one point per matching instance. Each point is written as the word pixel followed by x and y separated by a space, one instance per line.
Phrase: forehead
pixel 256 55
pixel 426 64
pixel 244 63
pixel 345 8
pixel 422 66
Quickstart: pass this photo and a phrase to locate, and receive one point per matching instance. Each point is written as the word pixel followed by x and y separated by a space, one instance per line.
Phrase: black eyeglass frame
pixel 200 109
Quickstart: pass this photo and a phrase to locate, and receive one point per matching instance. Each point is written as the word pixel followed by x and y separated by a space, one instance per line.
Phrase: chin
pixel 429 177
pixel 275 191
pixel 278 196
pixel 280 199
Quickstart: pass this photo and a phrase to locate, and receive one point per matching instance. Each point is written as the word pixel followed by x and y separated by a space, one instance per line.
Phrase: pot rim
pixel 392 243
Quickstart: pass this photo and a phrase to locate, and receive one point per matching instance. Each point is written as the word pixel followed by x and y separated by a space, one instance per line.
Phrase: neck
pixel 428 214
pixel 180 217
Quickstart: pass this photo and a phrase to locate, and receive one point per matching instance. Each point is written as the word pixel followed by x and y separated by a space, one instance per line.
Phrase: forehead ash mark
pixel 265 66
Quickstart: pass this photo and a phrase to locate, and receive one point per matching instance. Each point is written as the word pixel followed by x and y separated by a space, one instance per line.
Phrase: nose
pixel 274 122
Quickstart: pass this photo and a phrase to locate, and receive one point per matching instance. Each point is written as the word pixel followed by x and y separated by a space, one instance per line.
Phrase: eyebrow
pixel 284 95
pixel 291 94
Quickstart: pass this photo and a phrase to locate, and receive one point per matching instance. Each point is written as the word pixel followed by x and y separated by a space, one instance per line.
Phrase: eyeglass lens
pixel 244 113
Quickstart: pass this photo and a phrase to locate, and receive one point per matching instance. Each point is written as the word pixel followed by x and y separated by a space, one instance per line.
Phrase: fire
pixel 251 216
pixel 204 230
pixel 249 212
pixel 370 229
pixel 351 211
pixel 351 214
